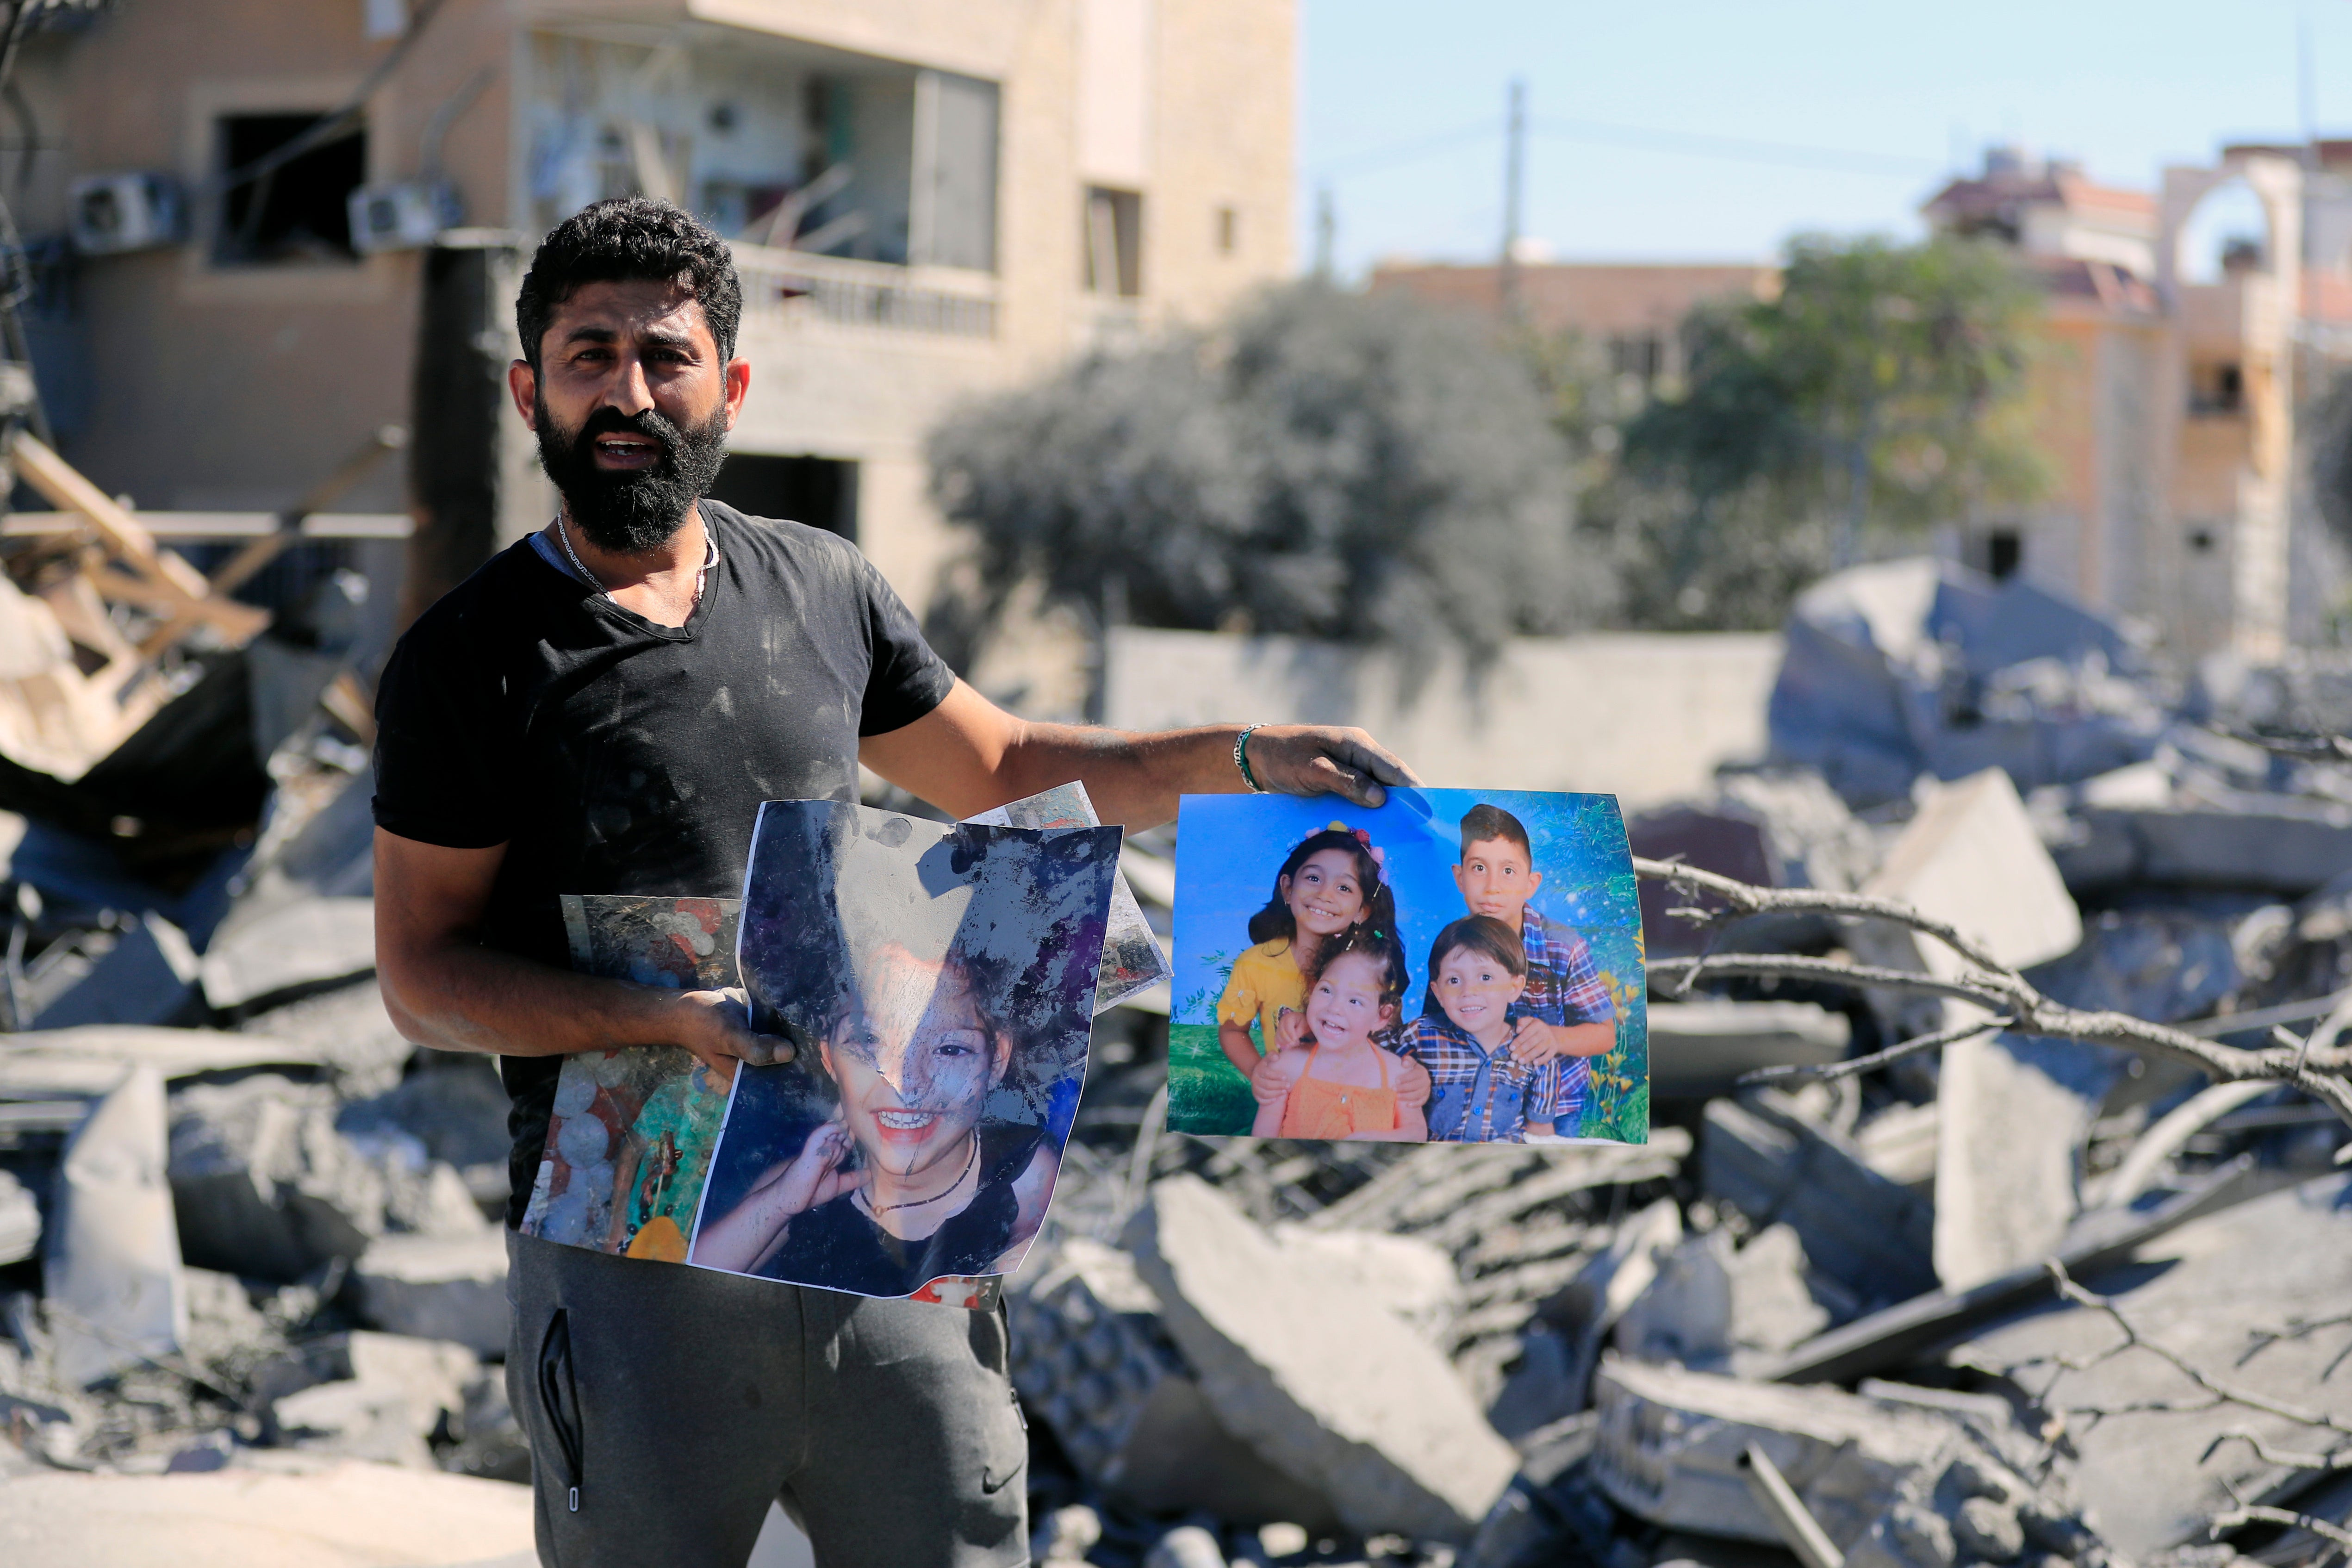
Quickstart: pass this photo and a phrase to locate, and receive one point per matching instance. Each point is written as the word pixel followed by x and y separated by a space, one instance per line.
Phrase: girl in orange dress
pixel 1337 1082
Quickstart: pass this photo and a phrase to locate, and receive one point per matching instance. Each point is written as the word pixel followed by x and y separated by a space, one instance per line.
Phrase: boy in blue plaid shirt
pixel 1480 1090
pixel 1566 1015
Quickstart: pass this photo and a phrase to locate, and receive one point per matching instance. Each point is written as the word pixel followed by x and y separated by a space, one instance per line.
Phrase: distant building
pixel 1633 310
pixel 972 189
pixel 2173 399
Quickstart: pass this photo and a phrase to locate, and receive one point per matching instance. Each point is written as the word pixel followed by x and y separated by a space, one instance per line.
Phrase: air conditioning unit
pixel 402 217
pixel 115 213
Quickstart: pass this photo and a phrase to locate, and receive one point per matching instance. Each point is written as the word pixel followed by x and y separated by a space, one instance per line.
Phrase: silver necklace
pixel 563 537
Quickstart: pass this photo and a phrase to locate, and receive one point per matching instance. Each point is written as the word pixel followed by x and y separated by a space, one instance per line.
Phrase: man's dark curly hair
pixel 622 240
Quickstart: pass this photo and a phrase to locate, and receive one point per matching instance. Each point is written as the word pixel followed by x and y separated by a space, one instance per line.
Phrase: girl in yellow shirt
pixel 1329 881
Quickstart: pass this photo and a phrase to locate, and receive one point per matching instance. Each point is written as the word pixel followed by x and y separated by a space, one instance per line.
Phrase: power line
pixel 1739 149
pixel 1696 144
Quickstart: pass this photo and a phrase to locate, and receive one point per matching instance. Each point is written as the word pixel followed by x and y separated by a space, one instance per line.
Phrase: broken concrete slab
pixel 148 976
pixel 1873 1237
pixel 1334 1389
pixel 1699 1049
pixel 1091 1359
pixel 90 1060
pixel 1404 1274
pixel 367 1395
pixel 1712 1302
pixel 299 946
pixel 265 1186
pixel 1971 858
pixel 2163 965
pixel 302 1512
pixel 20 1220
pixel 111 1276
pixel 353 1034
pixel 1895 1336
pixel 2012 1115
pixel 1899 1144
pixel 2288 845
pixel 2254 1297
pixel 456 1107
pixel 437 1287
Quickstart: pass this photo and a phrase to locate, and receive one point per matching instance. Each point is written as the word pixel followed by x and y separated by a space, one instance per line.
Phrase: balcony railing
pixel 937 301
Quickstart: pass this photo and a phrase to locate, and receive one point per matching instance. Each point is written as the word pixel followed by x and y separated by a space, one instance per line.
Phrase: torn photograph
pixel 1457 966
pixel 630 1140
pixel 937 981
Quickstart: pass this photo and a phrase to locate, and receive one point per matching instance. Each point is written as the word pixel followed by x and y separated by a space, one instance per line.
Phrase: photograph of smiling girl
pixel 939 982
pixel 1458 967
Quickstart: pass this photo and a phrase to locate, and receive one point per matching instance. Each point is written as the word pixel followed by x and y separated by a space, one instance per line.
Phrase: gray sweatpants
pixel 666 1406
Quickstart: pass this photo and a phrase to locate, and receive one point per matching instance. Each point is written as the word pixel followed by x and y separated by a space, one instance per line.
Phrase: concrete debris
pixel 1409 1276
pixel 1900 1141
pixel 2163 963
pixel 365 1396
pixel 2254 1297
pixel 1920 667
pixel 87 1062
pixel 1066 1535
pixel 2012 1114
pixel 265 1185
pixel 1700 1049
pixel 1712 1302
pixel 353 1035
pixel 148 976
pixel 437 1287
pixel 1971 858
pixel 1776 1164
pixel 20 1220
pixel 302 947
pixel 1186 1546
pixel 113 1290
pixel 1885 1478
pixel 1335 1390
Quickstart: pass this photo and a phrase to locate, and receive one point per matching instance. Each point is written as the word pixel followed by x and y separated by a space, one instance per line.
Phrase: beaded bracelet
pixel 1241 759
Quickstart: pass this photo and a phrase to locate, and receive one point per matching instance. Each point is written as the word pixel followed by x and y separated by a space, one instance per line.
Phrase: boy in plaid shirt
pixel 1566 1014
pixel 1481 1091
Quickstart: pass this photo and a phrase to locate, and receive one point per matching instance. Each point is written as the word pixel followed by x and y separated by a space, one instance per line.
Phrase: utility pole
pixel 1514 178
pixel 1327 228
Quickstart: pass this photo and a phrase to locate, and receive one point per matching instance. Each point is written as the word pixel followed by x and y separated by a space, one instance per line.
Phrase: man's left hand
pixel 1320 759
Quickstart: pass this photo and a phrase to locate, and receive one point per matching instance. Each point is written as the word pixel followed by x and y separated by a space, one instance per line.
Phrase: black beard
pixel 630 514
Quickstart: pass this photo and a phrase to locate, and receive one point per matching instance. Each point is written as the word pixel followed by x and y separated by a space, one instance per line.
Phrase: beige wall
pixel 234 388
pixel 228 387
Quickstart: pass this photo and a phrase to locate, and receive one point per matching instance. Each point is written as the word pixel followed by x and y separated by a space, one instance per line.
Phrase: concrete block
pixel 1671 1441
pixel 20 1221
pixel 2012 1115
pixel 1404 1274
pixel 1971 858
pixel 111 1276
pixel 264 1184
pixel 437 1287
pixel 2216 1292
pixel 1699 1049
pixel 297 947
pixel 1711 1301
pixel 1334 1389
pixel 148 976
pixel 368 1396
pixel 1873 1237
pixel 2280 844
pixel 2161 964
pixel 1091 1359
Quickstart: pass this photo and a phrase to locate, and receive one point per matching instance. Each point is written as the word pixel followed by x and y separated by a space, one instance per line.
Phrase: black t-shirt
pixel 613 756
pixel 836 1245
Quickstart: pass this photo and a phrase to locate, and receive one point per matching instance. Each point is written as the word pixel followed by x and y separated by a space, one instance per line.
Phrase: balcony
pixel 863 296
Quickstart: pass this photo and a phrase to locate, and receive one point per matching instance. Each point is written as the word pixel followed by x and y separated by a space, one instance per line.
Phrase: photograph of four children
pixel 1458 967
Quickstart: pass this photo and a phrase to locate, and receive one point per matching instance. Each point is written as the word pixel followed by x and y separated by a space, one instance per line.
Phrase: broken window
pixel 2004 553
pixel 819 491
pixel 299 210
pixel 1114 235
pixel 954 220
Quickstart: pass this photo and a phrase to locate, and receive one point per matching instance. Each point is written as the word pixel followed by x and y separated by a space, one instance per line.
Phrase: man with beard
pixel 602 709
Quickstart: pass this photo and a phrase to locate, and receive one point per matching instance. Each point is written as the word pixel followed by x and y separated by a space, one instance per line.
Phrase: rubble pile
pixel 2014 1300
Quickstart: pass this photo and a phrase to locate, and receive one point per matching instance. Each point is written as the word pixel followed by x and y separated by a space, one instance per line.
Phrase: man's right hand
pixel 716 1027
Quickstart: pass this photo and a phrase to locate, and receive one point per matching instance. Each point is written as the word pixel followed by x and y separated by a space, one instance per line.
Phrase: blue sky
pixel 1899 92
